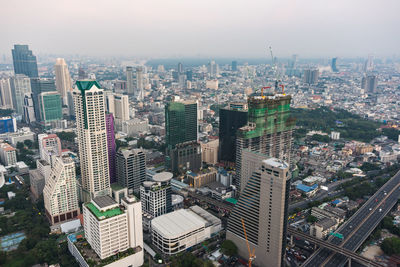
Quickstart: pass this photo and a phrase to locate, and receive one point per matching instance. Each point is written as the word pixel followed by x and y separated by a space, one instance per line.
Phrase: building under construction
pixel 269 130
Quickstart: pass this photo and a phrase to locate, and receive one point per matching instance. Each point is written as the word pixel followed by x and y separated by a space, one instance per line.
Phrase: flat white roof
pixel 177 223
pixel 276 163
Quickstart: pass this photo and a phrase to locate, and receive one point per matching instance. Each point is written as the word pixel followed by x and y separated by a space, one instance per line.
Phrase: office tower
pixel 24 61
pixel 60 193
pixel 333 64
pixel 369 83
pixel 311 76
pixel 121 107
pixel 40 85
pixel 71 108
pixel 269 133
pixel 20 85
pixel 131 168
pixel 212 69
pixel 91 130
pixel 6 99
pixel 111 146
pixel 231 118
pixel 110 108
pixel 180 68
pixel 29 109
pixel 49 145
pixel 234 65
pixel 82 73
pixel 111 228
pixel 156 195
pixel 8 154
pixel 63 79
pixel 50 107
pixel 180 122
pixel 184 157
pixel 129 81
pixel 189 75
pixel 139 83
pixel 8 125
pixel 263 208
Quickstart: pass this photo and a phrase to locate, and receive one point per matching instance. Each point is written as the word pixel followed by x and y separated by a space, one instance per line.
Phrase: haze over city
pixel 209 28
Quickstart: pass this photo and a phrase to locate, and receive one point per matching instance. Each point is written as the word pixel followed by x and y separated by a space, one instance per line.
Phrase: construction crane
pixel 252 256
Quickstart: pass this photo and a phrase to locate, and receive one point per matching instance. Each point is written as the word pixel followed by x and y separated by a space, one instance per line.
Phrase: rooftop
pixel 103 214
pixel 162 177
pixel 87 84
pixel 276 163
pixel 104 201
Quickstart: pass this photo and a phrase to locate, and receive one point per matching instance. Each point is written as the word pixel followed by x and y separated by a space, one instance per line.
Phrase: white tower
pixel 89 101
pixel 63 79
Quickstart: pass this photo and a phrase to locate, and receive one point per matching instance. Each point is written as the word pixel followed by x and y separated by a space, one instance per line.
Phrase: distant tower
pixel 234 65
pixel 129 80
pixel 6 94
pixel 89 103
pixel 63 79
pixel 180 68
pixel 29 110
pixel 41 85
pixel 369 83
pixel 139 83
pixel 50 107
pixel 333 65
pixel 24 61
pixel 20 85
pixel 311 76
pixel 111 146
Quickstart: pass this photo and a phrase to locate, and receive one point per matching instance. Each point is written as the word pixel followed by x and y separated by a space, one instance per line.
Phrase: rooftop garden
pixel 103 214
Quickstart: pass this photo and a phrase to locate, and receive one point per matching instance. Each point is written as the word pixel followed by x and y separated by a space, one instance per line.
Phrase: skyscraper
pixel 180 68
pixel 129 80
pixel 333 64
pixel 91 129
pixel 131 168
pixel 234 65
pixel 20 85
pixel 263 207
pixel 29 110
pixel 369 83
pixel 139 83
pixel 5 94
pixel 40 85
pixel 311 76
pixel 60 192
pixel 24 61
pixel 269 129
pixel 63 79
pixel 111 146
pixel 50 107
pixel 231 119
pixel 183 151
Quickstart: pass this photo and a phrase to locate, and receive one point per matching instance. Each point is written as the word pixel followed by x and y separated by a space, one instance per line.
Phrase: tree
pixel 391 245
pixel 20 145
pixel 229 248
pixel 28 143
pixel 312 219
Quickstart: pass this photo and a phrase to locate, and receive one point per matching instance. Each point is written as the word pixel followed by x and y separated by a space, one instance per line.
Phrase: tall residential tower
pixel 63 79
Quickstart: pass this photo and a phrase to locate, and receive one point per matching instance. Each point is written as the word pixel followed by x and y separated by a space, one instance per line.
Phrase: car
pixel 351 226
pixel 385 193
pixel 288 258
pixel 370 209
pixel 380 210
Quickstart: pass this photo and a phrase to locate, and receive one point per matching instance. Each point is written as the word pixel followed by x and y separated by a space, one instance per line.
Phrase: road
pixel 357 229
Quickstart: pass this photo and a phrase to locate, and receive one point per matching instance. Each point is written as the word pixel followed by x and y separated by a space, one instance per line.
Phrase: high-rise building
pixel 6 100
pixel 29 109
pixel 8 125
pixel 89 102
pixel 63 79
pixel 50 107
pixel 334 64
pixel 8 154
pixel 82 73
pixel 212 69
pixel 262 206
pixel 231 119
pixel 24 61
pixel 269 133
pixel 20 85
pixel 139 83
pixel 40 85
pixel 121 110
pixel 369 83
pixel 156 195
pixel 111 146
pixel 129 80
pixel 180 68
pixel 49 145
pixel 180 122
pixel 311 76
pixel 111 228
pixel 131 168
pixel 189 75
pixel 234 65
pixel 60 192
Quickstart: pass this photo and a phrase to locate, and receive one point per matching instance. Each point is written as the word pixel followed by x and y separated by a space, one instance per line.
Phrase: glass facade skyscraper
pixel 24 61
pixel 50 106
pixel 39 86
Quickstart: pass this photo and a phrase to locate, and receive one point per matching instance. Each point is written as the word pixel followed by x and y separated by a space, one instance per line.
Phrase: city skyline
pixel 224 29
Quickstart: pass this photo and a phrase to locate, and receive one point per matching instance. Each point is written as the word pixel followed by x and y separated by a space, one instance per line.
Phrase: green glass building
pixel 50 106
pixel 180 122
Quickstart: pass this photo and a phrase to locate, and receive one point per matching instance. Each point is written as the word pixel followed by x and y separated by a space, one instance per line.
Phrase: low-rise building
pixel 181 229
pixel 209 153
pixel 323 227
pixel 202 178
pixel 8 154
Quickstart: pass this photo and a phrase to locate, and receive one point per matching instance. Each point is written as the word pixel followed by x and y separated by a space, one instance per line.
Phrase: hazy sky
pixel 207 28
